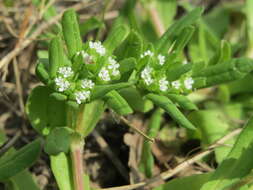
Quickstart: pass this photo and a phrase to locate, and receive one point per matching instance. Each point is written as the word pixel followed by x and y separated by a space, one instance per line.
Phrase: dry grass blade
pixel 180 167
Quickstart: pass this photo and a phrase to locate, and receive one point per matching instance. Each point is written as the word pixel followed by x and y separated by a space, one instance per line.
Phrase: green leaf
pixel 183 38
pixel 237 164
pixel 167 38
pixel 147 160
pixel 131 47
pixel 58 96
pixel 134 99
pixel 61 167
pixel 91 114
pixel 176 71
pixel 116 37
pixel 171 109
pixel 58 141
pixel 3 137
pixel 71 32
pixel 226 72
pixel 56 56
pixel 193 182
pixel 89 25
pixel 182 101
pixel 42 73
pixel 213 125
pixel 23 180
pixel 102 90
pixel 44 111
pixel 14 163
pixel 117 103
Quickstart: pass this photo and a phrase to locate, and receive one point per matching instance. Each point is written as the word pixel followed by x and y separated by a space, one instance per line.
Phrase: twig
pixel 39 31
pixel 180 167
pixel 11 142
pixel 136 129
pixel 106 149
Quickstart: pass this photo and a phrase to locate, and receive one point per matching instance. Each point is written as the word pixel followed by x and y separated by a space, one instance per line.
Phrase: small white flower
pixel 86 83
pixel 146 75
pixel 188 83
pixel 87 58
pixel 104 74
pixel 161 59
pixel 113 65
pixel 176 84
pixel 163 84
pixel 147 53
pixel 98 47
pixel 82 96
pixel 62 84
pixel 65 71
pixel 185 62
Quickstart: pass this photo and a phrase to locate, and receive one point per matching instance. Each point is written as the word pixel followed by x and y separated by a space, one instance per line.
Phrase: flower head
pixel 147 53
pixel 98 47
pixel 188 83
pixel 104 74
pixel 176 84
pixel 163 84
pixel 161 59
pixel 146 75
pixel 65 71
pixel 113 66
pixel 82 96
pixel 86 83
pixel 62 84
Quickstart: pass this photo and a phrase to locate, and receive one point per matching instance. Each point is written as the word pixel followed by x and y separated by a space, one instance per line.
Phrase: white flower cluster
pixel 61 83
pixel 176 84
pixel 113 67
pixel 104 74
pixel 146 75
pixel 82 96
pixel 98 47
pixel 65 71
pixel 163 84
pixel 86 83
pixel 188 83
pixel 161 59
pixel 147 53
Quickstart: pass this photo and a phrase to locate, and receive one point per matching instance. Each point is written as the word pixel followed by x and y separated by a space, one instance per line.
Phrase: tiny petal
pixel 65 71
pixel 146 75
pixel 176 84
pixel 86 83
pixel 163 84
pixel 62 84
pixel 147 53
pixel 104 74
pixel 161 59
pixel 188 83
pixel 98 47
pixel 82 96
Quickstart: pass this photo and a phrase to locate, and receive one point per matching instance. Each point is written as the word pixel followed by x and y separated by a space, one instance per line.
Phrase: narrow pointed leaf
pixel 117 103
pixel 167 38
pixel 171 109
pixel 182 101
pixel 42 73
pixel 20 160
pixel 55 56
pixel 116 37
pixel 71 32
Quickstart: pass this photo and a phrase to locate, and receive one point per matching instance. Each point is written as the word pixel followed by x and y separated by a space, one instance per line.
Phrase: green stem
pixel 76 147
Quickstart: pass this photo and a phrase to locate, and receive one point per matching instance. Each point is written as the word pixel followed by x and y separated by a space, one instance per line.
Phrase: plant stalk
pixel 77 164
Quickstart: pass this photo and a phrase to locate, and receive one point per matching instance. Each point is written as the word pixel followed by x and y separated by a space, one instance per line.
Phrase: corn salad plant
pixel 126 73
